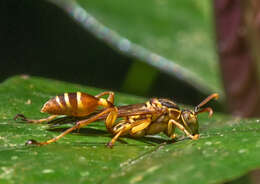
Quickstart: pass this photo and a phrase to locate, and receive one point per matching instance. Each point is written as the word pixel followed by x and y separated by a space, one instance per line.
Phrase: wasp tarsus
pixel 32 142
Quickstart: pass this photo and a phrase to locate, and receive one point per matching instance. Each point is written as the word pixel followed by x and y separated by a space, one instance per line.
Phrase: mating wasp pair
pixel 137 120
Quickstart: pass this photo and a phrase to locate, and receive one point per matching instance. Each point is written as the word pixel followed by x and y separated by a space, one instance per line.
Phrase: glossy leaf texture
pixel 176 37
pixel 228 148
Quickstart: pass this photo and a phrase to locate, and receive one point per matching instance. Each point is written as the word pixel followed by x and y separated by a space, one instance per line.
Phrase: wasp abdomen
pixel 72 104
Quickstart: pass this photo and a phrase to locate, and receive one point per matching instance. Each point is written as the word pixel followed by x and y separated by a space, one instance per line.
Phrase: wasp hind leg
pixel 111 118
pixel 79 124
pixel 23 118
pixel 110 96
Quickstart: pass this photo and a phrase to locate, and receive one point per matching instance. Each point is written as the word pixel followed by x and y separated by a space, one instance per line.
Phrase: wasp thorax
pixel 174 113
pixel 168 103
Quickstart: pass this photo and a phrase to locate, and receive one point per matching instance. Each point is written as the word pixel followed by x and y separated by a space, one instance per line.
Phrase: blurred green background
pixel 183 50
pixel 41 39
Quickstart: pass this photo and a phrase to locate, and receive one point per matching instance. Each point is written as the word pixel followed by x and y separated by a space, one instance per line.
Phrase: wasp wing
pixel 123 111
pixel 135 109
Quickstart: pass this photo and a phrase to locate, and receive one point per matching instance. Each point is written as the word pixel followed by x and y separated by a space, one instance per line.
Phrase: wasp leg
pixel 80 124
pixel 123 129
pixel 140 125
pixel 139 128
pixel 110 97
pixel 110 120
pixel 170 131
pixel 112 142
pixel 182 128
pixel 135 127
pixel 23 118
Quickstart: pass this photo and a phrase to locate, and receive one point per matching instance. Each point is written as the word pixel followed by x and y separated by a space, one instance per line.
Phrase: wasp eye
pixel 186 115
pixel 189 117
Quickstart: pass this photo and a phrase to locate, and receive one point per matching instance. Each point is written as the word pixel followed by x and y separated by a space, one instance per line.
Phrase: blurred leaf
pixel 135 82
pixel 228 148
pixel 176 37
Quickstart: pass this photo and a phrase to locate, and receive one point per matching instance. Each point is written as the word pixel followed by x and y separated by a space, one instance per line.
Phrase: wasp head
pixel 189 117
pixel 190 121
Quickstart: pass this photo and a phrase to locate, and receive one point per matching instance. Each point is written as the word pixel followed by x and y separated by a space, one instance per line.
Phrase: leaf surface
pixel 227 149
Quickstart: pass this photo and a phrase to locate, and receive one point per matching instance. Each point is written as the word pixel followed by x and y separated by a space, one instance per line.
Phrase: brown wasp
pixel 137 120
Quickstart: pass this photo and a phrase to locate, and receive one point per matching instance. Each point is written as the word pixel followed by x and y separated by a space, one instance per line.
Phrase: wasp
pixel 136 120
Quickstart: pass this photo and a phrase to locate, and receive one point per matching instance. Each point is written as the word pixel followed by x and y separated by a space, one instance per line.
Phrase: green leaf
pixel 176 37
pixel 227 149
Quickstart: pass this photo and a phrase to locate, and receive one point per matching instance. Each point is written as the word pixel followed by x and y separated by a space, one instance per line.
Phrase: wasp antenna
pixel 212 96
pixel 207 109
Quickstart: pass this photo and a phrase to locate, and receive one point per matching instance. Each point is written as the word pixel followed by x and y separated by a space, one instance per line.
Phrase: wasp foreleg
pixel 182 128
pixel 170 130
pixel 23 118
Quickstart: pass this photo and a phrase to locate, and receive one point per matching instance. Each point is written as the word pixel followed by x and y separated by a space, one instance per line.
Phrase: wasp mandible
pixel 137 120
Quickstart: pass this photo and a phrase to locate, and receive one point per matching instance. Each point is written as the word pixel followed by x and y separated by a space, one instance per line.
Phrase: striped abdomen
pixel 72 104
